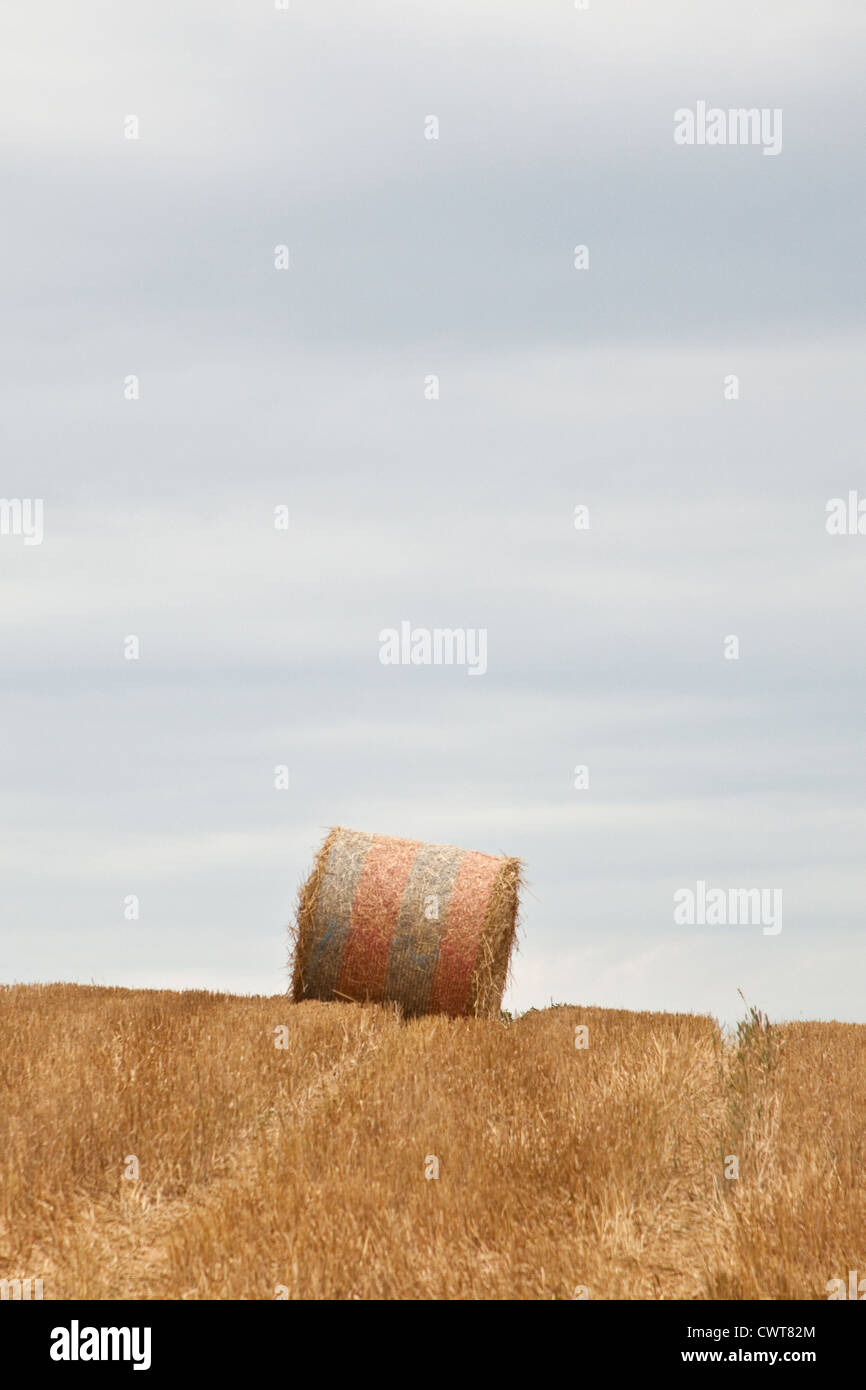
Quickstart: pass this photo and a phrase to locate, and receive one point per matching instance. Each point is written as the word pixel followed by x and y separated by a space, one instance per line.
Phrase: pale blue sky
pixel 558 387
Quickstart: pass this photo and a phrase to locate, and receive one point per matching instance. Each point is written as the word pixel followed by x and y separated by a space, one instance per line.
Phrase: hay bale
pixel 429 927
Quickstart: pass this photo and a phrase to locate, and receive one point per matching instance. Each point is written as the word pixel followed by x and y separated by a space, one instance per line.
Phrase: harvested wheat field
pixel 301 1169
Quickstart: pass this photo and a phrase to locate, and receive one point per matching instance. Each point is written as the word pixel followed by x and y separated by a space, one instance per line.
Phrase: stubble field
pixel 191 1145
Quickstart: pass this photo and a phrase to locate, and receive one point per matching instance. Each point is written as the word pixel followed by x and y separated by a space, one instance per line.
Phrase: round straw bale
pixel 429 927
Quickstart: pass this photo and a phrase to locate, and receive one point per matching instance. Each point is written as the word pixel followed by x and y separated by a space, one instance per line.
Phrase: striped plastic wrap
pixel 429 927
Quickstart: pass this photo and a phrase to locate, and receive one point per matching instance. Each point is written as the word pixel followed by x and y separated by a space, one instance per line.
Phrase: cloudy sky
pixel 602 387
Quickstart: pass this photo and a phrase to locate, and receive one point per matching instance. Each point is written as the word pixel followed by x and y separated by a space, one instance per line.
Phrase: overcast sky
pixel 603 387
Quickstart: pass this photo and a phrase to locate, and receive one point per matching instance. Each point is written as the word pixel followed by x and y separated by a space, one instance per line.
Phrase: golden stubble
pixel 300 1170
